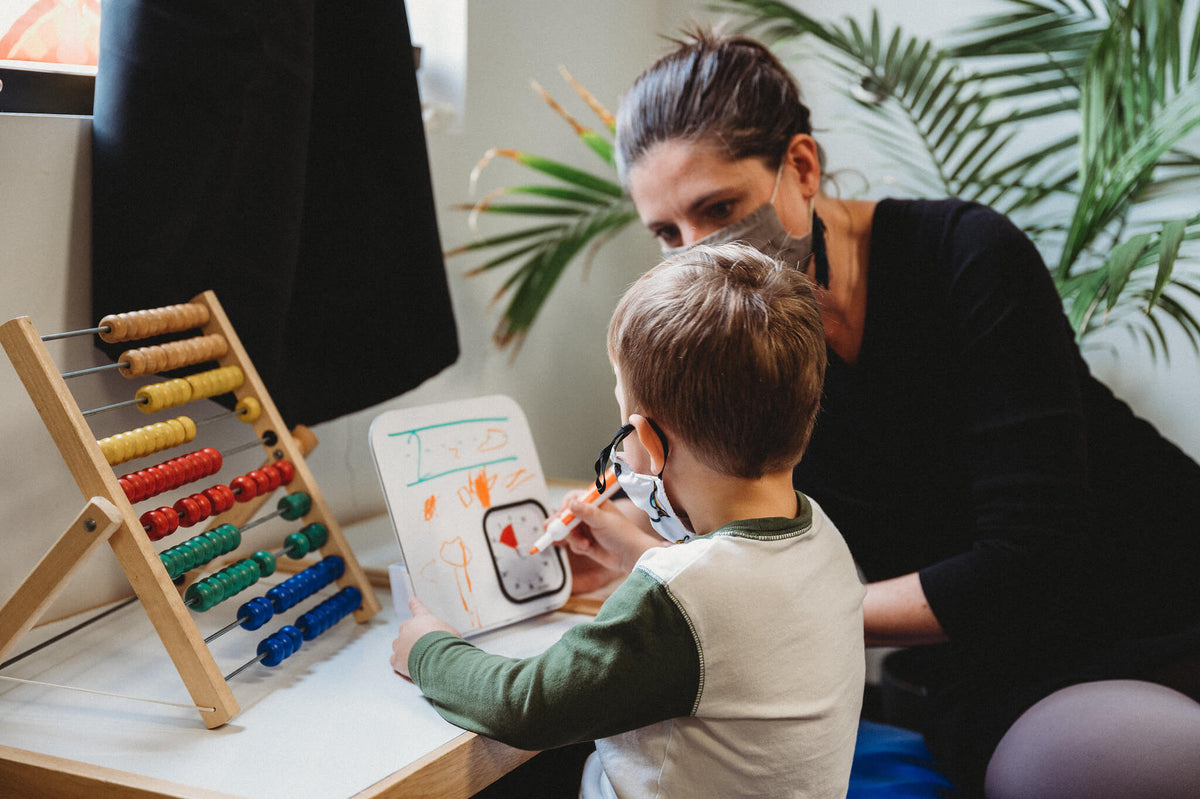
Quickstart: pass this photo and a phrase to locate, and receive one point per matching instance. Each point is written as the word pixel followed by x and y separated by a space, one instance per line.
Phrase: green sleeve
pixel 635 664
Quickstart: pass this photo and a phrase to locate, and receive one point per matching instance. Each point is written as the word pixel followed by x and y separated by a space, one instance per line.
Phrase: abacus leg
pixel 92 527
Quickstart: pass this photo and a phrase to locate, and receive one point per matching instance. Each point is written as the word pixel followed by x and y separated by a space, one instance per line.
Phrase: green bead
pixel 229 536
pixel 296 545
pixel 293 506
pixel 202 595
pixel 317 535
pixel 265 561
pixel 204 549
pixel 244 575
pixel 170 563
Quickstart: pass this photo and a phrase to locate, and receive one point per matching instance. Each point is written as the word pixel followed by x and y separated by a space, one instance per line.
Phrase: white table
pixel 333 720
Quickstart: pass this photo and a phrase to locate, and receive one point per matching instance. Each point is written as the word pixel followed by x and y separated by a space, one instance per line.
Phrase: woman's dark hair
pixel 730 90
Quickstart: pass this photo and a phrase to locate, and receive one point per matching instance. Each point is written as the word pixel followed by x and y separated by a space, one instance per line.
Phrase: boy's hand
pixel 608 536
pixel 411 631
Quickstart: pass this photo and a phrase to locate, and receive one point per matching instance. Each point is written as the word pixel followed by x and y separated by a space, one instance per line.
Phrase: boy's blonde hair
pixel 724 346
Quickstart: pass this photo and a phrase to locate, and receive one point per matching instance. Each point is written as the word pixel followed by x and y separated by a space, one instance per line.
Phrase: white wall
pixel 45 263
pixel 561 377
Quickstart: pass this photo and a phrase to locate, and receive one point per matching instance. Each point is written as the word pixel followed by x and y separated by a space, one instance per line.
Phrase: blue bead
pixel 280 645
pixel 282 597
pixel 255 613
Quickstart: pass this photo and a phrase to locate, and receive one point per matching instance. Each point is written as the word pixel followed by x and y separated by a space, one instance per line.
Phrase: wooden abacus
pixel 158 579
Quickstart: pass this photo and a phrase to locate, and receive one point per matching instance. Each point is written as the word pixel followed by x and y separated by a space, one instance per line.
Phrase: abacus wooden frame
pixel 158 595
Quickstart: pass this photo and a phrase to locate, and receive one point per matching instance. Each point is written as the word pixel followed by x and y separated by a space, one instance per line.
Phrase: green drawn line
pixel 449 424
pixel 416 430
pixel 461 469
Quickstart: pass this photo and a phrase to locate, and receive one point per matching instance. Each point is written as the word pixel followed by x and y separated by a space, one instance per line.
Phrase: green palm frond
pixel 1121 76
pixel 589 208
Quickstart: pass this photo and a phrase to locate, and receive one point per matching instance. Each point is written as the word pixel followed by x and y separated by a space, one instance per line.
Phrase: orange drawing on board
pixel 517 478
pixel 456 554
pixel 479 487
pixel 495 439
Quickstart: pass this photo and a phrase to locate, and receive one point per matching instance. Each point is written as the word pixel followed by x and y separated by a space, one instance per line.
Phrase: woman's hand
pixel 609 536
pixel 422 622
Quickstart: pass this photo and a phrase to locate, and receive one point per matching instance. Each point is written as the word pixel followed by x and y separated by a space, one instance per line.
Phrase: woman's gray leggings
pixel 1112 739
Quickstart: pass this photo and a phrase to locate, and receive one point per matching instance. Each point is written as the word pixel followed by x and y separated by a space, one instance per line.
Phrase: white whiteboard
pixel 467 497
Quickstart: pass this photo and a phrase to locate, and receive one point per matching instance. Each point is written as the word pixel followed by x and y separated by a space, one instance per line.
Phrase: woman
pixel 1005 508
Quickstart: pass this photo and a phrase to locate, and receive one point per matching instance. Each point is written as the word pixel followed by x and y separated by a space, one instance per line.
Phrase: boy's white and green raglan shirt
pixel 731 665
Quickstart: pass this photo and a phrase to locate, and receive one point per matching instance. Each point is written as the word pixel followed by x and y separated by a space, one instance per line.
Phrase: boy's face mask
pixel 646 491
pixel 762 230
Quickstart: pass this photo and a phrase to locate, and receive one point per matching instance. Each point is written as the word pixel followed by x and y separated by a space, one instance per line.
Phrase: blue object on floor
pixel 894 762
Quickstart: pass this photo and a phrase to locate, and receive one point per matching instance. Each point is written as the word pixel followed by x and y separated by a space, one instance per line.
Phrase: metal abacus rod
pixel 143 324
pixel 87 331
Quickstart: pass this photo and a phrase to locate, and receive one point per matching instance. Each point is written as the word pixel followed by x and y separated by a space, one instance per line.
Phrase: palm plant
pixel 586 210
pixel 1120 77
pixel 1119 80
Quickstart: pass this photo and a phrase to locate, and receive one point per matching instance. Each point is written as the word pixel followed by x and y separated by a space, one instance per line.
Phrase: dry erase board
pixel 468 498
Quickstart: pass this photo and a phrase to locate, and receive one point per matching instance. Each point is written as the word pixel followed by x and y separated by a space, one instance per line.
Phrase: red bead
pixel 188 510
pixel 274 476
pixel 191 468
pixel 132 486
pixel 155 524
pixel 286 470
pixel 160 523
pixel 145 484
pixel 159 480
pixel 128 487
pixel 260 479
pixel 178 472
pixel 244 488
pixel 172 519
pixel 221 498
pixel 206 507
pixel 214 459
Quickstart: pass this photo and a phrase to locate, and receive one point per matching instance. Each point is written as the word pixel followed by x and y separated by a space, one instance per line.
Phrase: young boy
pixel 730 664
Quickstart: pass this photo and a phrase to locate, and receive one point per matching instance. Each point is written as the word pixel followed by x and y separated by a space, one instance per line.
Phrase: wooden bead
pixel 173 355
pixel 261 481
pixel 153 322
pixel 116 328
pixel 286 471
pixel 145 440
pixel 244 487
pixel 248 410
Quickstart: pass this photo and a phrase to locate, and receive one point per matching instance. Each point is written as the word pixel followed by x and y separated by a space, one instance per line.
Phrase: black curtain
pixel 272 151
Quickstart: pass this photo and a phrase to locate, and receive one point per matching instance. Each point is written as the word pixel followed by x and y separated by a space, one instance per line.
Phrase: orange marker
pixel 563 523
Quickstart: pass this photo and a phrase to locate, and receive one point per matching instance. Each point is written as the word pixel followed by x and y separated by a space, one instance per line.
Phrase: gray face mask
pixel 762 230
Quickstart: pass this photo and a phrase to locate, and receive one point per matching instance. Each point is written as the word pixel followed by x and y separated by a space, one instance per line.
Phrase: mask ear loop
pixel 662 437
pixel 778 176
pixel 606 456
pixel 818 239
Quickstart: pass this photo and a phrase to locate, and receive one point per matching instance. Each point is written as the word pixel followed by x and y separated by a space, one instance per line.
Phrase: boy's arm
pixel 411 631
pixel 636 664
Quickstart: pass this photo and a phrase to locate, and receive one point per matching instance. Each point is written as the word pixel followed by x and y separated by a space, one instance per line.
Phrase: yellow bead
pixel 248 409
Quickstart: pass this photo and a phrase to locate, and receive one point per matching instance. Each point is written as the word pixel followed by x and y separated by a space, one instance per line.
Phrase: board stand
pixel 159 596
